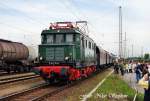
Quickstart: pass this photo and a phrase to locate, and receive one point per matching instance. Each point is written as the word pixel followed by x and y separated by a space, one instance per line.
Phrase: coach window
pixel 69 38
pixel 50 39
pixel 59 38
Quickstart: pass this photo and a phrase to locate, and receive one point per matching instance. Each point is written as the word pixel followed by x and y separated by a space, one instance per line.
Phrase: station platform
pixel 130 78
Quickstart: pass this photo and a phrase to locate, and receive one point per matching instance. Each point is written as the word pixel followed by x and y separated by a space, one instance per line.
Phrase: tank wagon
pixel 13 56
pixel 67 53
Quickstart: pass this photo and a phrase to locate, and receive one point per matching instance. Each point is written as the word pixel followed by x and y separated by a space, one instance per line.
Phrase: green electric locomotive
pixel 69 45
pixel 67 53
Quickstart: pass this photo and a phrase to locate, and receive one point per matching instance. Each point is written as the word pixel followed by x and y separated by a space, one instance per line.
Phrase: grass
pixel 114 86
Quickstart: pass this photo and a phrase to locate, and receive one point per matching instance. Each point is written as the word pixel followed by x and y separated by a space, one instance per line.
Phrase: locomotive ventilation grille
pixel 55 54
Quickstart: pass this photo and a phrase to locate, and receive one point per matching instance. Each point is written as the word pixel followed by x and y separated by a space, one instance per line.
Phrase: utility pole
pixel 132 50
pixel 142 52
pixel 128 53
pixel 125 44
pixel 120 32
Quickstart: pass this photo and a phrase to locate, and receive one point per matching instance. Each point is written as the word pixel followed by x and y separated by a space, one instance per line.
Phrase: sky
pixel 24 20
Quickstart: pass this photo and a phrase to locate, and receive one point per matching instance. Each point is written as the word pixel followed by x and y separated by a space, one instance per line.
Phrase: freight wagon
pixel 14 56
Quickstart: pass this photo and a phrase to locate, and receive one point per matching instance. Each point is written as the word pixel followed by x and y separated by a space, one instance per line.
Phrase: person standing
pixel 116 67
pixel 138 72
pixel 126 68
pixel 144 70
pixel 145 83
pixel 130 67
pixel 121 65
pixel 133 66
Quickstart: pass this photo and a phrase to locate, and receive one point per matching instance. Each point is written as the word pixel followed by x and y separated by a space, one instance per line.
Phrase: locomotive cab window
pixel 50 39
pixel 59 38
pixel 69 38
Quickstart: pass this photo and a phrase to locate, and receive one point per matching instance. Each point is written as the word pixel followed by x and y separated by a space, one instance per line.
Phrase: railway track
pixel 17 78
pixel 23 93
pixel 39 93
pixel 53 92
pixel 3 73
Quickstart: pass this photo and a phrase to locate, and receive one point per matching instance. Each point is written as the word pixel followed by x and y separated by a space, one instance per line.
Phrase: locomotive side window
pixel 59 38
pixel 74 37
pixel 42 39
pixel 50 39
pixel 69 38
pixel 89 45
pixel 82 40
pixel 86 43
pixel 93 46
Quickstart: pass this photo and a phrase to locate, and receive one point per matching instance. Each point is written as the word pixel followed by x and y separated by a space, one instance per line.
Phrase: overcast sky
pixel 23 20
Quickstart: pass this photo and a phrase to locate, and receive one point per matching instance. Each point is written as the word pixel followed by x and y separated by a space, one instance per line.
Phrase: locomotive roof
pixel 60 31
pixel 71 30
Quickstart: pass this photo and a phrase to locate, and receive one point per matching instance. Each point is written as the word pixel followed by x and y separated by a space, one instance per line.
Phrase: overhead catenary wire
pixel 69 9
pixel 92 27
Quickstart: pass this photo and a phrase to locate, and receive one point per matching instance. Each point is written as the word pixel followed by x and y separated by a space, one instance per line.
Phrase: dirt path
pixel 130 78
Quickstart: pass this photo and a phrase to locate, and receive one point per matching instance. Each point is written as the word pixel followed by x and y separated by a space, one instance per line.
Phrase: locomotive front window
pixel 59 38
pixel 69 38
pixel 50 39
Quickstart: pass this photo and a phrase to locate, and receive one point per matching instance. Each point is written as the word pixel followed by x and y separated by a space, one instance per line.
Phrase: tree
pixel 146 56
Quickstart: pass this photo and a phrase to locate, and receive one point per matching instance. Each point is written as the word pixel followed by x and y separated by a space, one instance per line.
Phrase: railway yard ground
pixel 18 82
pixel 111 85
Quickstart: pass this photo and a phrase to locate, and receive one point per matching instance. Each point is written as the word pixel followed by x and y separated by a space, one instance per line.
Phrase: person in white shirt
pixel 129 67
pixel 133 66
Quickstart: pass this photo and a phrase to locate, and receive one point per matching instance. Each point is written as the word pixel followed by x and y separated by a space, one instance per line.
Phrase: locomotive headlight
pixel 41 58
pixel 66 58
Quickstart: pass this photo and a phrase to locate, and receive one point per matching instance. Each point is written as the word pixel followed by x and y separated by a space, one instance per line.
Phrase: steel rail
pixel 23 92
pixel 18 79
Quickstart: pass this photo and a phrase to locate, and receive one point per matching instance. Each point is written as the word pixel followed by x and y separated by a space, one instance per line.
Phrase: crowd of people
pixel 141 70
